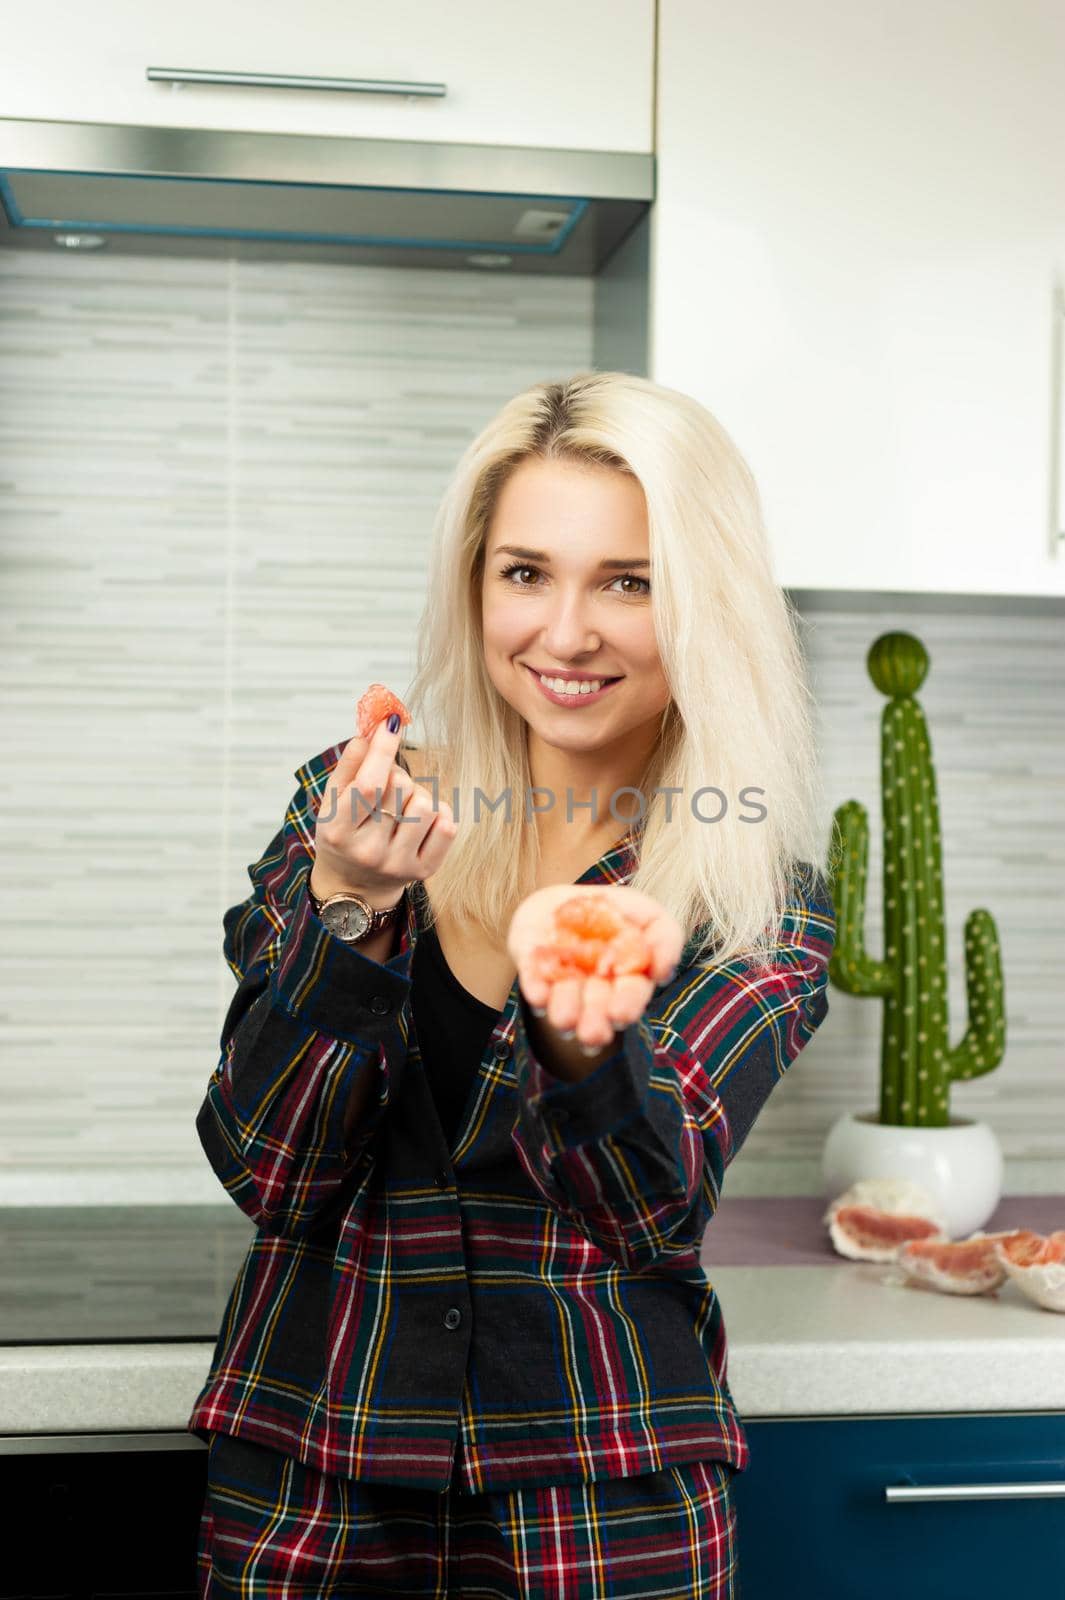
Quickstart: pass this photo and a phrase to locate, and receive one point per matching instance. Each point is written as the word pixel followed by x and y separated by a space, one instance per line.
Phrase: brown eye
pixel 517 566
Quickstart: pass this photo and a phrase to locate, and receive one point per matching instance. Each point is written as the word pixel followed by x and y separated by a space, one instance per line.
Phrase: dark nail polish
pixel 393 722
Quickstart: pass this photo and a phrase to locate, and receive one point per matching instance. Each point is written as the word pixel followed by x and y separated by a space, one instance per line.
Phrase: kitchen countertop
pixel 809 1333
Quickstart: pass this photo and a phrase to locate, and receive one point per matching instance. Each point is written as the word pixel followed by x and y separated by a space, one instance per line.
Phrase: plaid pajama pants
pixel 272 1527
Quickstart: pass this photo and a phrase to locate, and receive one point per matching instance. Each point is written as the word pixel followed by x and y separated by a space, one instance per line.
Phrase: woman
pixel 472 1349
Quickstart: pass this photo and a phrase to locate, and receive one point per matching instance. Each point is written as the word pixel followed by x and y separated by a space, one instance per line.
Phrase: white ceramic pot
pixel 961 1165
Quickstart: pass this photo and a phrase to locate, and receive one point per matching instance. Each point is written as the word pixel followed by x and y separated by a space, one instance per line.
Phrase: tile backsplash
pixel 218 482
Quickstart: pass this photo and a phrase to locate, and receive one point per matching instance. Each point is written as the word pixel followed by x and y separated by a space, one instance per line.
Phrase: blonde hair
pixel 740 715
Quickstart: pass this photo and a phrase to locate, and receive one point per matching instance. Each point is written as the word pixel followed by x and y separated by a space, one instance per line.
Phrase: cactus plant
pixel 917 1064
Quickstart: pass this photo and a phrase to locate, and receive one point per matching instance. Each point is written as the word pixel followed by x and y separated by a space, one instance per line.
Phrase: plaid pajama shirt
pixel 526 1310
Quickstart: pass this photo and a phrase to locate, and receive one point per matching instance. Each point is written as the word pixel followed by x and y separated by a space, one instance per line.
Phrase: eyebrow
pixel 542 555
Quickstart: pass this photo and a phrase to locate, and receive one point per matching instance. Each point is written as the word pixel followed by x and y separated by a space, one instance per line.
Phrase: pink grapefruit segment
pixel 377 703
pixel 591 939
pixel 965 1266
pixel 1022 1247
pixel 1036 1264
pixel 865 1233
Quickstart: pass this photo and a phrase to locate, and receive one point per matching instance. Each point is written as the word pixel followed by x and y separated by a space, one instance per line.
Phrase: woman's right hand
pixel 363 850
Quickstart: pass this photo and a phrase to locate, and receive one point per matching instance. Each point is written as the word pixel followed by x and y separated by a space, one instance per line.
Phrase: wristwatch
pixel 350 917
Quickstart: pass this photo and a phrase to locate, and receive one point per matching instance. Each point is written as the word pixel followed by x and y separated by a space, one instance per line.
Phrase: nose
pixel 568 632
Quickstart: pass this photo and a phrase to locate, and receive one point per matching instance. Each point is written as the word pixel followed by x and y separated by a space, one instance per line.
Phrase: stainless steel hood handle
pixel 974 1491
pixel 285 80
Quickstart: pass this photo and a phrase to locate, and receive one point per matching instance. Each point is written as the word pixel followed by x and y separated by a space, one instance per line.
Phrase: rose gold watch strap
pixel 385 919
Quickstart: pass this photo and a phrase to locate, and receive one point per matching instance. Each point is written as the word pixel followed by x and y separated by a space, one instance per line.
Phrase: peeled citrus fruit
pixel 965 1266
pixel 587 916
pixel 1036 1264
pixel 591 939
pixel 377 703
pixel 865 1234
pixel 871 1219
pixel 897 1220
pixel 627 953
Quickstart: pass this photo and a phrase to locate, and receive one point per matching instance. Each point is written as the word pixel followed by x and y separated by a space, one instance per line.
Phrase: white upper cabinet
pixel 858 230
pixel 559 74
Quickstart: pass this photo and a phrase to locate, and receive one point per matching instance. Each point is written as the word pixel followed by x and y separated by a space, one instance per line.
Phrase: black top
pixel 453 1028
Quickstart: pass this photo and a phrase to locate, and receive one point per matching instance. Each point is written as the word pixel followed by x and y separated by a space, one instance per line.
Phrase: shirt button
pixel 453 1317
pixel 441 1179
pixel 379 1004
pixel 502 1049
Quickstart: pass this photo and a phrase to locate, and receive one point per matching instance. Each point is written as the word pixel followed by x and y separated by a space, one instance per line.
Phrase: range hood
pixel 222 192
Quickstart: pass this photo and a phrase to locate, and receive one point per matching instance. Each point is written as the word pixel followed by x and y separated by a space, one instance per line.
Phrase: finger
pixel 667 947
pixel 384 811
pixel 537 990
pixel 564 1005
pixel 428 808
pixel 347 765
pixel 378 771
pixel 415 821
pixel 665 941
pixel 629 995
pixel 434 846
pixel 595 1027
pixel 352 754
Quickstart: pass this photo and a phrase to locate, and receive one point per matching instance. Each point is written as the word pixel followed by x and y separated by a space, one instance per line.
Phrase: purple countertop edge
pixel 787 1230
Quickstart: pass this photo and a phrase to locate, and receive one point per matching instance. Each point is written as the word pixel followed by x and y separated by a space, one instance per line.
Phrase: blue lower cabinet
pixel 815 1520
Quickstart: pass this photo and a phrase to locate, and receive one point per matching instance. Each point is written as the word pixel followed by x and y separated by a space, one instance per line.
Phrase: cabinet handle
pixel 895 1493
pixel 286 80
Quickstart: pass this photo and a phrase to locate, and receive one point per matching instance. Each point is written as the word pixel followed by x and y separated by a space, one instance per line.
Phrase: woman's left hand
pixel 593 1009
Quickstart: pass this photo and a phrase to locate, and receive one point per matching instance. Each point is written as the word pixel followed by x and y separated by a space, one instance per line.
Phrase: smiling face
pixel 574 604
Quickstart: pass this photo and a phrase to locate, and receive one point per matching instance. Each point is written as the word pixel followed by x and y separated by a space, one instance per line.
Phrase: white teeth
pixel 561 686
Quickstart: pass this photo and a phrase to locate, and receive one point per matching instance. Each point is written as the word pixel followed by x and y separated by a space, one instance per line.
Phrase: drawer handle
pixel 895 1494
pixel 286 80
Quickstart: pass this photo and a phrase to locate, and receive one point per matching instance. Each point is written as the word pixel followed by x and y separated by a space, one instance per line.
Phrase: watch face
pixel 347 920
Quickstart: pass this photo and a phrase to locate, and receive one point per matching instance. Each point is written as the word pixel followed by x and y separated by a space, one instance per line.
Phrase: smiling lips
pixel 573 697
pixel 574 677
